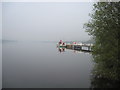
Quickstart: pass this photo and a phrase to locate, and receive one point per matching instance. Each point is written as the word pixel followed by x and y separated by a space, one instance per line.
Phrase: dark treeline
pixel 104 26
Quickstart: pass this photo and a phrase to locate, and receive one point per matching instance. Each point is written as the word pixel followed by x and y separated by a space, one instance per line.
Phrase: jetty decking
pixel 84 47
pixel 75 46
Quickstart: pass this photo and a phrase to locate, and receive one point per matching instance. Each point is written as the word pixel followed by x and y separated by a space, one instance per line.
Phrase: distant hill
pixel 8 41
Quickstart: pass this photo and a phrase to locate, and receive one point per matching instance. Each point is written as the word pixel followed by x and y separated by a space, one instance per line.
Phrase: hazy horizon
pixel 26 21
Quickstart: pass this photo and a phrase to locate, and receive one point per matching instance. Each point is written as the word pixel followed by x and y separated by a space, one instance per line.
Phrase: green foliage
pixel 104 26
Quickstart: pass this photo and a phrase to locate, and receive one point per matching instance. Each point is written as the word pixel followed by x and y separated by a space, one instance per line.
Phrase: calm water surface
pixel 0 65
pixel 41 65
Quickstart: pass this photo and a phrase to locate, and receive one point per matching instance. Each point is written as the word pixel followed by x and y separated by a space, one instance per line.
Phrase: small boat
pixel 61 44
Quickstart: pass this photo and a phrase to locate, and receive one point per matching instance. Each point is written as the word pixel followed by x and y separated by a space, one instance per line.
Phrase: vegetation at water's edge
pixel 104 26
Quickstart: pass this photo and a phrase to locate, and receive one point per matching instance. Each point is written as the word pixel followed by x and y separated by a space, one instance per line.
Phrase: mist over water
pixel 41 65
pixel 30 63
pixel 0 45
pixel 45 21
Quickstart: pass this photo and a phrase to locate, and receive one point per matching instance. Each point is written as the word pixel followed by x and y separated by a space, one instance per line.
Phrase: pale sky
pixel 0 20
pixel 48 0
pixel 45 21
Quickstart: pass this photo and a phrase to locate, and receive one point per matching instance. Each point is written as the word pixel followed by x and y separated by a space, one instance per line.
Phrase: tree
pixel 104 26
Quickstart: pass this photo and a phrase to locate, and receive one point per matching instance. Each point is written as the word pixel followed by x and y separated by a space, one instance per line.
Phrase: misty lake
pixel 41 65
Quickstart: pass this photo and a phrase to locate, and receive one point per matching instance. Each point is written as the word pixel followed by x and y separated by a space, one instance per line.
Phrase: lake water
pixel 0 65
pixel 41 65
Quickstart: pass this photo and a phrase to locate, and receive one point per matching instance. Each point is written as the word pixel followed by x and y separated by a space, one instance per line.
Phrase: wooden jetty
pixel 79 47
pixel 75 46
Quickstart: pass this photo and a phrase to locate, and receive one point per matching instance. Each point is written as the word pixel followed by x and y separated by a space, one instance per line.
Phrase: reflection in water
pixel 40 65
pixel 61 50
pixel 104 75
